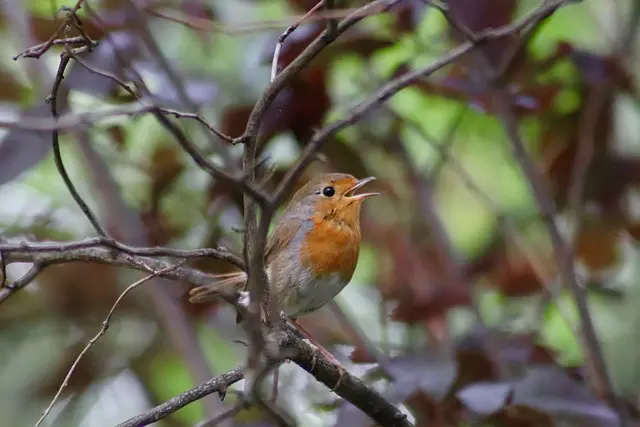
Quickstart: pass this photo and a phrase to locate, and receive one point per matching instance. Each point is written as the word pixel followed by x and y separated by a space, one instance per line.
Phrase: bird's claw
pixel 342 371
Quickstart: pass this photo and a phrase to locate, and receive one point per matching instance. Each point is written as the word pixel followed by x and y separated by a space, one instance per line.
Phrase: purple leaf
pixel 22 149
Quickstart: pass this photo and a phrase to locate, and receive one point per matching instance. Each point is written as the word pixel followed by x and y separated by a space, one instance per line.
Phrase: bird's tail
pixel 223 283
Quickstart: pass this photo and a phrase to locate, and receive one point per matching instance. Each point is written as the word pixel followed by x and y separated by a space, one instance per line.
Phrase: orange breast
pixel 331 247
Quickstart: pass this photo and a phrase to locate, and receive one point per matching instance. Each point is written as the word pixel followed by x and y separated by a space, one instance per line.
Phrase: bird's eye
pixel 328 191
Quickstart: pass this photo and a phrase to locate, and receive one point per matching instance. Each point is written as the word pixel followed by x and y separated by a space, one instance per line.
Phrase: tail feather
pixel 223 283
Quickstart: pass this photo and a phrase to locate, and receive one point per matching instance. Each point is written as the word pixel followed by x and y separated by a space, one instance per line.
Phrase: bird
pixel 311 254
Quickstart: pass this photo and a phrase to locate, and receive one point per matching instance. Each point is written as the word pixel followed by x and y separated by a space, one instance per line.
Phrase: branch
pixel 104 256
pixel 217 384
pixel 344 384
pixel 108 251
pixel 321 42
pixel 107 242
pixel 287 32
pixel 349 387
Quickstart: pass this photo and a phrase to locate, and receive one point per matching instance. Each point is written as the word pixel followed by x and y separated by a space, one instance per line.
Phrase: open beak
pixel 359 184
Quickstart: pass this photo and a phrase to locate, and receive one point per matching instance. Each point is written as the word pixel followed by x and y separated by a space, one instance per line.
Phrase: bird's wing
pixel 223 283
pixel 286 229
pixel 288 226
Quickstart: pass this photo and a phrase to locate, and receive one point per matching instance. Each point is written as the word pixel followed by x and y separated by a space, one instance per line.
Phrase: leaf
pixel 430 370
pixel 10 88
pixel 166 166
pixel 22 149
pixel 597 243
pixel 547 389
pixel 440 299
pixel 485 397
pixel 551 390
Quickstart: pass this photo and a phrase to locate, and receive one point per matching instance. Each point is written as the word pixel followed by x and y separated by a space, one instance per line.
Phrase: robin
pixel 311 254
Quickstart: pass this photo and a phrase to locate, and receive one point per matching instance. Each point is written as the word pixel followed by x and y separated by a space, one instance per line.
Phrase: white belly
pixel 311 295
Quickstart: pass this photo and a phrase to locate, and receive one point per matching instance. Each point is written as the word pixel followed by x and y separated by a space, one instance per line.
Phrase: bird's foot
pixel 243 299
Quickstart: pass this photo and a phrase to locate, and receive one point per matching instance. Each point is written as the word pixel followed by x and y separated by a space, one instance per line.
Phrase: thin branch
pixel 283 37
pixel 172 74
pixel 37 52
pixel 3 271
pixel 57 156
pixel 217 384
pixel 101 332
pixel 125 86
pixel 181 138
pixel 311 51
pixel 332 24
pixel 11 288
pixel 227 413
pixel 381 95
pixel 280 418
pixel 203 24
pixel 390 89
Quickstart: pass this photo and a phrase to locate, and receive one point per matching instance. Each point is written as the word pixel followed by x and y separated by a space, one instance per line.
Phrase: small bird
pixel 313 251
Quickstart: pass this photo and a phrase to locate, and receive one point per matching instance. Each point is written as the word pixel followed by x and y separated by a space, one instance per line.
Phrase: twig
pixel 311 51
pixel 3 271
pixel 44 47
pixel 381 95
pixel 283 37
pixel 101 332
pixel 281 419
pixel 247 186
pixel 28 277
pixel 228 413
pixel 332 24
pixel 37 50
pixel 178 114
pixel 217 384
pixel 57 156
pixel 174 78
pixel 203 24
pixel 388 90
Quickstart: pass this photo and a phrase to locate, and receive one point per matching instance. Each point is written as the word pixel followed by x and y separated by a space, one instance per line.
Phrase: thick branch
pixel 349 387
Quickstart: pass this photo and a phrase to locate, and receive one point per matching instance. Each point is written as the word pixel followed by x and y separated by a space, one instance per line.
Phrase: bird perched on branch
pixel 313 251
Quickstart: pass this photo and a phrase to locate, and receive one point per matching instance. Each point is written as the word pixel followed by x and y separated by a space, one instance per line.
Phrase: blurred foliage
pixel 499 349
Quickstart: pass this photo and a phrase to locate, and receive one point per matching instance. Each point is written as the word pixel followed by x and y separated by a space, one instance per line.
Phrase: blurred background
pixel 456 296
